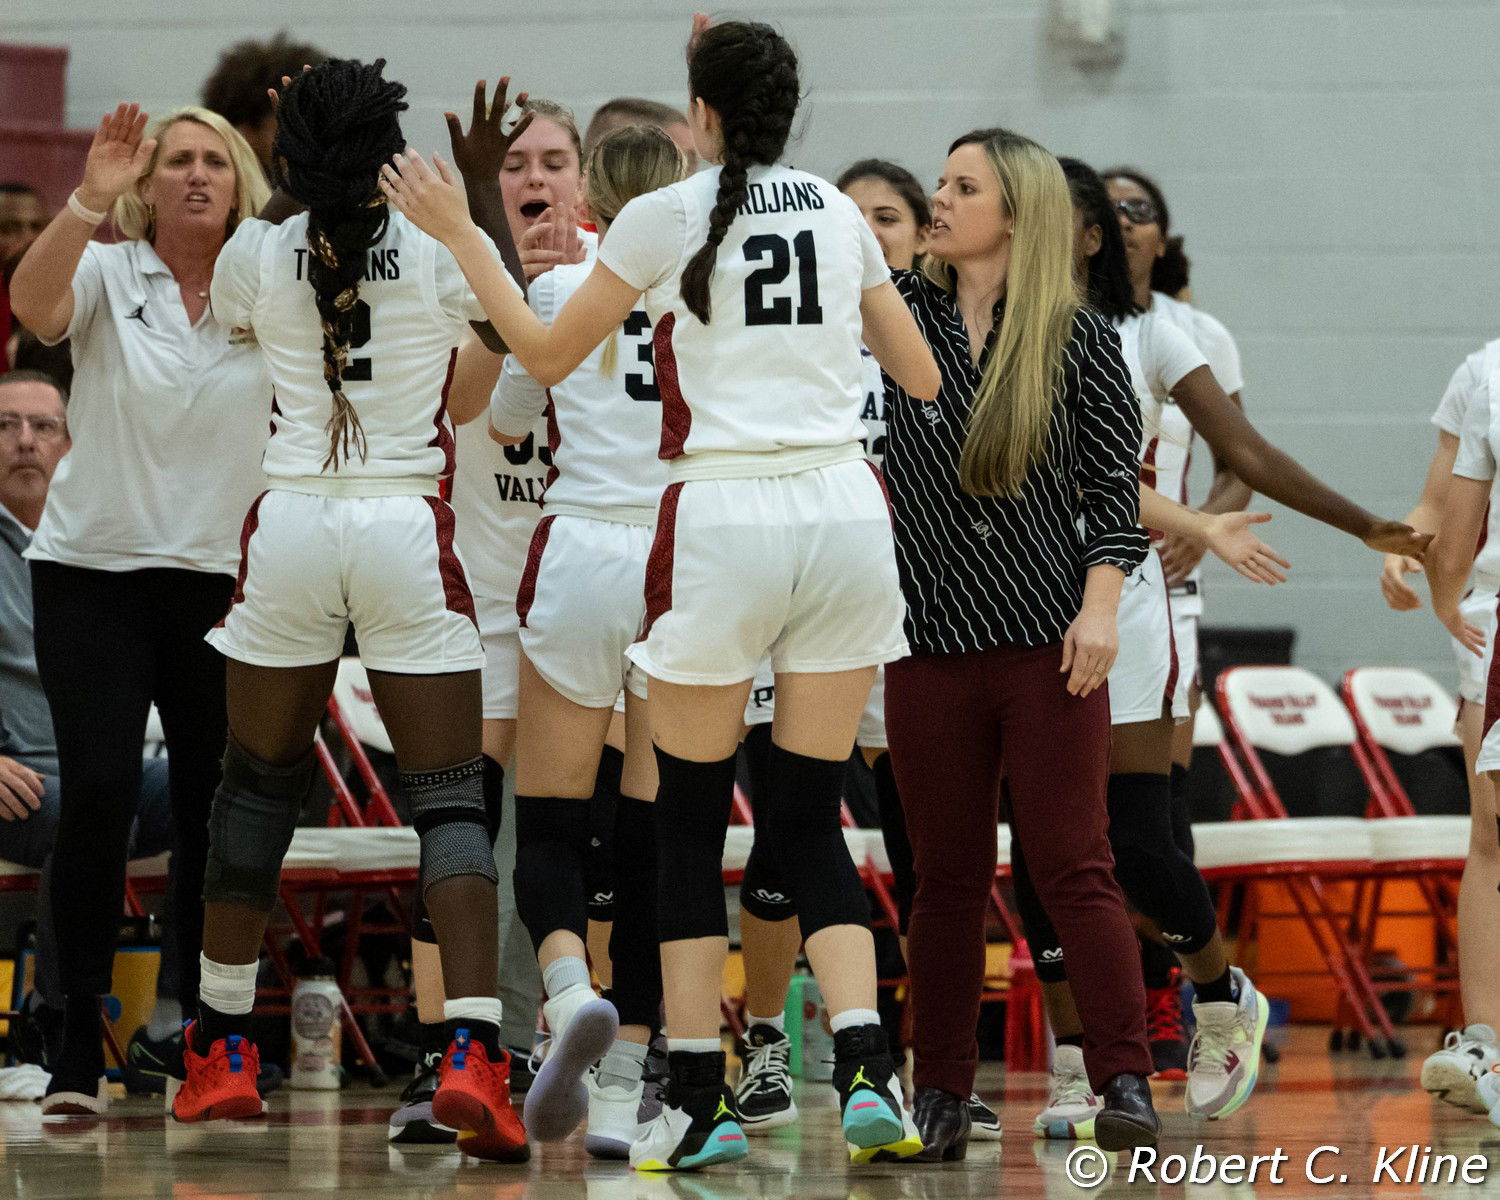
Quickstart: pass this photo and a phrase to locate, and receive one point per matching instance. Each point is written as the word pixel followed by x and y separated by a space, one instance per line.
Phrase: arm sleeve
pixel 88 293
pixel 518 399
pixel 1476 451
pixel 1222 353
pixel 236 281
pixel 643 243
pixel 1454 406
pixel 455 297
pixel 1108 432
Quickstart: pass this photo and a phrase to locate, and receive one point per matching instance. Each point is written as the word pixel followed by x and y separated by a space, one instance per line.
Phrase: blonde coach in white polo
pixel 136 553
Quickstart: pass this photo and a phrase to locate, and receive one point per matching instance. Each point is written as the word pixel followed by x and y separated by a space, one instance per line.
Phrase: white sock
pixel 473 1008
pixel 564 974
pixel 778 1022
pixel 694 1045
pixel 228 988
pixel 165 1020
pixel 852 1018
pixel 623 1065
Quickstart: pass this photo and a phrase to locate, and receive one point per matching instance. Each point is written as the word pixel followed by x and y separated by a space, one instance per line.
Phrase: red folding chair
pixel 1289 711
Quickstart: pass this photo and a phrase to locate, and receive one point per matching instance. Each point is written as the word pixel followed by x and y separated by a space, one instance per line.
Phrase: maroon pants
pixel 957 723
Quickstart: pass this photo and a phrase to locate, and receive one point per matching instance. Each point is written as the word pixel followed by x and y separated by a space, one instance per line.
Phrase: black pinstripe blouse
pixel 980 572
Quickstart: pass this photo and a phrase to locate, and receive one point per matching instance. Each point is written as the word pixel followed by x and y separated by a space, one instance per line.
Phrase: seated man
pixel 33 440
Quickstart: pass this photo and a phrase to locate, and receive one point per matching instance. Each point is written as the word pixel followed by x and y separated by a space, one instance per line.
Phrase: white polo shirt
pixel 168 422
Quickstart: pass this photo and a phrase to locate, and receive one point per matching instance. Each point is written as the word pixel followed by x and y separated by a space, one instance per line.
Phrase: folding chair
pixel 1292 717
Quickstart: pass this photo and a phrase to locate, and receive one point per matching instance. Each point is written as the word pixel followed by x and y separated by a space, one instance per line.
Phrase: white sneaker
pixel 1488 1089
pixel 1451 1074
pixel 583 1029
pixel 1071 1104
pixel 612 1123
pixel 984 1122
pixel 764 1092
pixel 1224 1059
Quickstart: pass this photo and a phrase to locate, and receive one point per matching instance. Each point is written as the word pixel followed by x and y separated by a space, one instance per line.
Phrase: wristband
pixel 76 207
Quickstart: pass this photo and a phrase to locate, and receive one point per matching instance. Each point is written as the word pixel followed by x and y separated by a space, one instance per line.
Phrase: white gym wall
pixel 1334 165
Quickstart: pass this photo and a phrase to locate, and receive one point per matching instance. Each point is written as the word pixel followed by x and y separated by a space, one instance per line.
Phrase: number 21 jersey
pixel 778 365
pixel 413 306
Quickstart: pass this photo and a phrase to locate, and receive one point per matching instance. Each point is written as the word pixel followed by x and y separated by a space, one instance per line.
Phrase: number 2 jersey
pixel 414 304
pixel 777 368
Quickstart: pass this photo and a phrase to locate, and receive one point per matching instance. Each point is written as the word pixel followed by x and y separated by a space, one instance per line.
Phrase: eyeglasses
pixel 44 429
pixel 1138 211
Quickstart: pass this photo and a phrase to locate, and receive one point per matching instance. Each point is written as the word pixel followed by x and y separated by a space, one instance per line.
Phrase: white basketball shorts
pixel 500 634
pixel 871 735
pixel 801 567
pixel 1145 674
pixel 1185 635
pixel 310 566
pixel 1478 609
pixel 581 603
pixel 760 705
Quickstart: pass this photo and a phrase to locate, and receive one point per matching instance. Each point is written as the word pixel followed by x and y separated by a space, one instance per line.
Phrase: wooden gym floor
pixel 321 1144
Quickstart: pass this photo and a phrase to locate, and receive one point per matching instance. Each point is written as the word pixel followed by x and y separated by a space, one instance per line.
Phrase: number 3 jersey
pixel 778 365
pixel 413 306
pixel 603 420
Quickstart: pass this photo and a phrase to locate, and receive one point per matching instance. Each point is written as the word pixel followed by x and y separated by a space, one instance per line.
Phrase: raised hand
pixel 1393 537
pixel 1231 538
pixel 480 153
pixel 286 82
pixel 430 199
pixel 1180 555
pixel 551 241
pixel 118 155
pixel 1399 594
pixel 701 24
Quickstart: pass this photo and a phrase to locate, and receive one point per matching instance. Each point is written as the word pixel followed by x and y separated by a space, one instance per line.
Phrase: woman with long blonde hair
pixel 1015 498
pixel 133 560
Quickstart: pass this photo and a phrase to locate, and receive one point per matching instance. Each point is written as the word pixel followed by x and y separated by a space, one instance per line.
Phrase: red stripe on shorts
pixel 659 564
pixel 1492 688
pixel 884 491
pixel 526 593
pixel 247 531
pixel 676 417
pixel 1176 668
pixel 1148 477
pixel 456 594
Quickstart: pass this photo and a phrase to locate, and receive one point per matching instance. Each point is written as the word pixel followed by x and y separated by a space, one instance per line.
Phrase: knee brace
pixel 806 838
pixel 897 841
pixel 448 813
pixel 1154 873
pixel 634 951
pixel 1041 937
pixel 1182 816
pixel 599 862
pixel 494 807
pixel 693 801
pixel 250 826
pixel 552 839
pixel 764 891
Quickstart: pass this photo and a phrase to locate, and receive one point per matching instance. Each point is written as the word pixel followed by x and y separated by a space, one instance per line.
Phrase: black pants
pixel 108 645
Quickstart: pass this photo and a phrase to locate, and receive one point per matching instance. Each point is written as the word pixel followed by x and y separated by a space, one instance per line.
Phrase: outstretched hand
pixel 701 24
pixel 1470 637
pixel 552 241
pixel 1399 594
pixel 117 156
pixel 430 199
pixel 480 153
pixel 286 82
pixel 1231 538
pixel 1394 537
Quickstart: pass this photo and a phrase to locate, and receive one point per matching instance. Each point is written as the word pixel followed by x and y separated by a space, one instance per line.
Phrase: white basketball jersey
pixel 778 366
pixel 873 413
pixel 604 428
pixel 1159 356
pixel 414 304
pixel 1475 385
pixel 497 501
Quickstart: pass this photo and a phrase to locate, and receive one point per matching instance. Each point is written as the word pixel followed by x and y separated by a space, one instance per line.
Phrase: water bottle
pixel 316 1031
pixel 807 1027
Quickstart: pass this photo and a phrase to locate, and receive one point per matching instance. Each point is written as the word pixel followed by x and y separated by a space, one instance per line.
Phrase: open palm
pixel 117 157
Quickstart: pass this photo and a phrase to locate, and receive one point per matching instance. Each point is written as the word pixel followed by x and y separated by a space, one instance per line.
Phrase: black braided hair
pixel 337 124
pixel 1170 272
pixel 747 73
pixel 1109 290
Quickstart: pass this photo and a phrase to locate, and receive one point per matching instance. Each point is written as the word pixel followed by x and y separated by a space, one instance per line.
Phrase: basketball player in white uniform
pixel 773 535
pixel 1452 1073
pixel 358 315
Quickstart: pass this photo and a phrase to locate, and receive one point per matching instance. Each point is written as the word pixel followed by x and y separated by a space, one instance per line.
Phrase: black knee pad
pixel 1041 937
pixel 1154 873
pixel 806 837
pixel 552 839
pixel 448 813
pixel 251 823
pixel 693 800
pixel 897 841
pixel 1182 816
pixel 634 950
pixel 599 862
pixel 764 891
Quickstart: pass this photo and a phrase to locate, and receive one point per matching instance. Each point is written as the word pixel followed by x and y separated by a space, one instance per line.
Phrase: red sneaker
pixel 473 1097
pixel 221 1084
pixel 1164 1030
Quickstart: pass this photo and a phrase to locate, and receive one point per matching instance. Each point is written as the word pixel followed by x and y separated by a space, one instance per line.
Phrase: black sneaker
pixel 521 1073
pixel 699 1124
pixel 1169 1046
pixel 36 1035
pixel 151 1062
pixel 984 1124
pixel 412 1123
pixel 764 1092
pixel 875 1124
